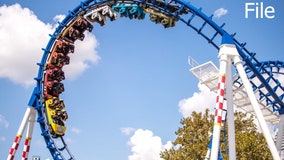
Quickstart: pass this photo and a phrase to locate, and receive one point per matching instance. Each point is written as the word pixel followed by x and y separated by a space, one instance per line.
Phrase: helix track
pixel 270 71
pixel 166 13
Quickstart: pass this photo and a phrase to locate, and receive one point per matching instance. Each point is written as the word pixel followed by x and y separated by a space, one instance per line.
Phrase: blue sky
pixel 128 84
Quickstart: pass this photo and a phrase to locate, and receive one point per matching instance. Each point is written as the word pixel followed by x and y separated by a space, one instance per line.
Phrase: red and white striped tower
pixel 219 107
pixel 26 149
pixel 29 118
pixel 227 54
pixel 14 147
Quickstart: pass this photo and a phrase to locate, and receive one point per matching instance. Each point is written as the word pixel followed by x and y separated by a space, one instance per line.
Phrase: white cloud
pixel 84 55
pixel 127 130
pixel 3 122
pixel 76 130
pixel 59 18
pixel 220 12
pixel 23 36
pixel 198 102
pixel 146 146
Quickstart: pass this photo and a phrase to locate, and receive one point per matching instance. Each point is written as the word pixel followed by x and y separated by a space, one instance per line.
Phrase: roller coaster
pixel 254 79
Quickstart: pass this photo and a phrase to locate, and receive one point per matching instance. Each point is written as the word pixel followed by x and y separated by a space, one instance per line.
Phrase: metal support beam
pixel 280 134
pixel 257 110
pixel 230 112
pixel 228 53
pixel 29 118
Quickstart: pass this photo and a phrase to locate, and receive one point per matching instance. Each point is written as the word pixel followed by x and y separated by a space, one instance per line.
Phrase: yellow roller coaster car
pixel 157 17
pixel 53 109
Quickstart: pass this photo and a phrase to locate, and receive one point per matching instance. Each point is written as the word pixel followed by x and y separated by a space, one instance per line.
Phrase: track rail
pixel 269 70
pixel 182 11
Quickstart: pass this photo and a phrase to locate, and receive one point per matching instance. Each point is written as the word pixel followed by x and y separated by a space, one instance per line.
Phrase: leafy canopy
pixel 193 138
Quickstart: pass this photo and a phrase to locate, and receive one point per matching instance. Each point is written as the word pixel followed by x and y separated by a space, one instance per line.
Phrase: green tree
pixel 194 136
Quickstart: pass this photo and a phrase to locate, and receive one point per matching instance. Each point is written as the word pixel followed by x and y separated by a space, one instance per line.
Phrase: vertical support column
pixel 26 149
pixel 280 134
pixel 219 106
pixel 14 147
pixel 230 112
pixel 18 138
pixel 257 110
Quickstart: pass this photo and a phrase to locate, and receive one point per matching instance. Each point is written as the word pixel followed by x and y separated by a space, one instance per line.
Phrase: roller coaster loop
pixel 49 107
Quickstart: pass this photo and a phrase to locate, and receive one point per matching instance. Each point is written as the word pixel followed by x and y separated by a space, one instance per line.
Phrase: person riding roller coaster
pixel 53 89
pixel 57 104
pixel 81 25
pixel 99 15
pixel 58 59
pixel 52 86
pixel 76 30
pixel 64 47
pixel 54 74
pixel 56 116
pixel 60 117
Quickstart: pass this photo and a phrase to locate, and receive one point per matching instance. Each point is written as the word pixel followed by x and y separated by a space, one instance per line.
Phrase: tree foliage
pixel 193 138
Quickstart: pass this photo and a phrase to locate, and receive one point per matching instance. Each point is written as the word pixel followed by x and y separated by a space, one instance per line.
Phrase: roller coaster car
pixel 55 117
pixel 106 10
pixel 60 117
pixel 64 47
pixel 73 34
pixel 165 21
pixel 58 60
pixel 99 15
pixel 129 10
pixel 157 17
pixel 137 13
pixel 57 104
pixel 52 89
pixel 82 24
pixel 54 74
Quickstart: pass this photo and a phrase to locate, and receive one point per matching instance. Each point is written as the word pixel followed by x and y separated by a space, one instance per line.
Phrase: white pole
pixel 19 135
pixel 257 110
pixel 28 139
pixel 219 107
pixel 280 134
pixel 24 121
pixel 230 112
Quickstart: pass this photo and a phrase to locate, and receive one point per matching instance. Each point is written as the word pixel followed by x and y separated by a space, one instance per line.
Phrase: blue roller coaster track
pixel 180 10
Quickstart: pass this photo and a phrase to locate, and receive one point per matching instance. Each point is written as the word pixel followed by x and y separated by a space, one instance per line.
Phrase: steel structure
pixel 261 76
